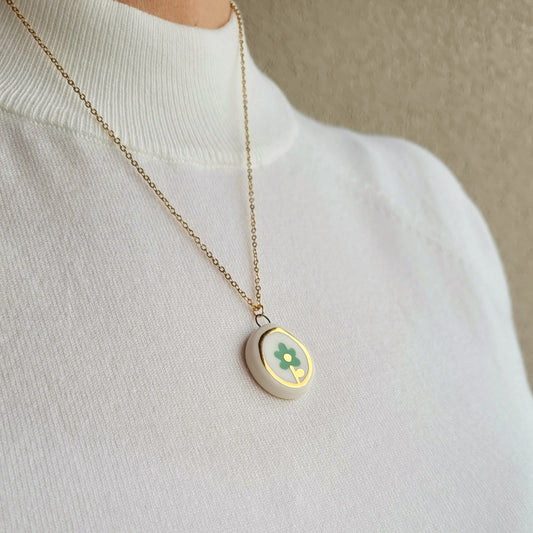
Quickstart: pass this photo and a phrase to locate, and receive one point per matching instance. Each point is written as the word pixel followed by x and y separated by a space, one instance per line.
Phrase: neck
pixel 167 89
pixel 210 14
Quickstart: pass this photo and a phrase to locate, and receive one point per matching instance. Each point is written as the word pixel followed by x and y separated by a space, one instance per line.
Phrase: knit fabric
pixel 125 401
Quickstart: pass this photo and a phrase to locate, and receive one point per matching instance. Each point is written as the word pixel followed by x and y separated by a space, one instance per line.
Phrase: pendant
pixel 279 362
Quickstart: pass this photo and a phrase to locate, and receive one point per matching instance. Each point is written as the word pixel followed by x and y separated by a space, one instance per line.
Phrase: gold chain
pixel 258 307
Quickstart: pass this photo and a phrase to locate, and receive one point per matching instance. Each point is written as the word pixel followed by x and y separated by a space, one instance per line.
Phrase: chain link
pixel 256 307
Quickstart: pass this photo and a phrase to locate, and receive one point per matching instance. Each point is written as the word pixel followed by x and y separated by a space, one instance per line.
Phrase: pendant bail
pixel 261 315
pixel 259 312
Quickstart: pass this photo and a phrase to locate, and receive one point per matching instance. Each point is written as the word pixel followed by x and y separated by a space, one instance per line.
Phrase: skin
pixel 210 14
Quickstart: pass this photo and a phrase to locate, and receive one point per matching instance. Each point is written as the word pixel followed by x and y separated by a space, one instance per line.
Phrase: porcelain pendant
pixel 279 362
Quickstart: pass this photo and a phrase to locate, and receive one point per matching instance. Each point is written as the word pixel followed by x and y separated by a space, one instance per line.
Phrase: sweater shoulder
pixel 406 177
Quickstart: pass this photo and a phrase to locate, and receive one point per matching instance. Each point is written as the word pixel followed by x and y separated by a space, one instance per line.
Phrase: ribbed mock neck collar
pixel 166 89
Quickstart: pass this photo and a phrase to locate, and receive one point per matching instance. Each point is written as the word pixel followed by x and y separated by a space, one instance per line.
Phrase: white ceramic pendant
pixel 279 362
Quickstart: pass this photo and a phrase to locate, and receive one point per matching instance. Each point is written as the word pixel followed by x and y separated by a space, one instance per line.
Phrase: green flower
pixel 286 356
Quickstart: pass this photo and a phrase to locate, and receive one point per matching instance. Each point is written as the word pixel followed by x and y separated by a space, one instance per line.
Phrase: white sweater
pixel 125 401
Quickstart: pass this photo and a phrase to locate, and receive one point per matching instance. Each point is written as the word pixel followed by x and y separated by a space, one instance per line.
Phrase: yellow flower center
pixel 287 357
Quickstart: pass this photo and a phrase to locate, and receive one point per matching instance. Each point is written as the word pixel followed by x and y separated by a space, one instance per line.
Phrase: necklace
pixel 277 360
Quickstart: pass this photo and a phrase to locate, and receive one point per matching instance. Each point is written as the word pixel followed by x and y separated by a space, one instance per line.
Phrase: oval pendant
pixel 279 362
